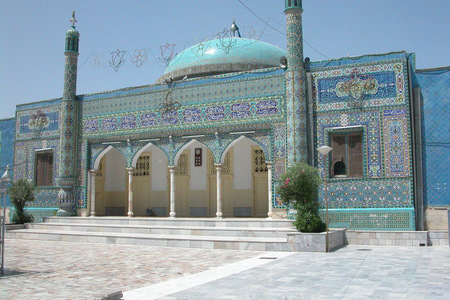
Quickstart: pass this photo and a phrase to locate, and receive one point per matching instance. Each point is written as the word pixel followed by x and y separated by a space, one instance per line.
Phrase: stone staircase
pixel 235 234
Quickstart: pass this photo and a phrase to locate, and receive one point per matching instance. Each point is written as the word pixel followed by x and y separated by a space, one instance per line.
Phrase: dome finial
pixel 73 20
pixel 234 28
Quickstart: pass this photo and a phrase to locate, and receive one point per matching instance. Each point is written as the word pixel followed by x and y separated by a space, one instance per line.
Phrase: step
pixel 181 222
pixel 167 230
pixel 186 241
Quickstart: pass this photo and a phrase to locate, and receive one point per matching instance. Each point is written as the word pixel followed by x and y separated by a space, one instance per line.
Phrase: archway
pixel 110 183
pixel 191 181
pixel 150 182
pixel 250 178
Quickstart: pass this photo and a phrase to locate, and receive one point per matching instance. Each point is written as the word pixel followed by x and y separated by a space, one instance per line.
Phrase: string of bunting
pixel 167 53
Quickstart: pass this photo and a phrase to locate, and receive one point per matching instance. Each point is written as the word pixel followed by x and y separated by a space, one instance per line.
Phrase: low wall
pixel 315 242
pixel 387 238
pixel 437 238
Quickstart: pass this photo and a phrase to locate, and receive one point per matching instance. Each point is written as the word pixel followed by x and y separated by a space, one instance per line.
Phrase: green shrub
pixel 298 188
pixel 20 193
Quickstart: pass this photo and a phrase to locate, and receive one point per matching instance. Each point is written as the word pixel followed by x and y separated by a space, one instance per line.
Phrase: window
pixel 44 169
pixel 346 157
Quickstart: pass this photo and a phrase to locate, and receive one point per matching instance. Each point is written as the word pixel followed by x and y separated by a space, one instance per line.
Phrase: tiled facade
pixel 369 93
pixel 382 114
pixel 7 132
pixel 434 87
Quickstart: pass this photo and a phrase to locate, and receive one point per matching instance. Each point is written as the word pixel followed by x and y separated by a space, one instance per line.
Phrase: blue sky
pixel 32 36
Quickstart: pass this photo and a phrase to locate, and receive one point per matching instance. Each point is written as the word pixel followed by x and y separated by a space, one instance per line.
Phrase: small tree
pixel 298 188
pixel 20 193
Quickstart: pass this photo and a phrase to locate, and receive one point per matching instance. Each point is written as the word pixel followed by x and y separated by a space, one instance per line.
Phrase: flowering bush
pixel 20 193
pixel 298 188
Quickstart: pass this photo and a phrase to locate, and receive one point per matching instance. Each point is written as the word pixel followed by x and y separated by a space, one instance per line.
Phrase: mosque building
pixel 214 133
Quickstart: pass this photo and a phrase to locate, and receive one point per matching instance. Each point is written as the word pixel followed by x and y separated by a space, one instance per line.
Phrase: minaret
pixel 69 122
pixel 295 85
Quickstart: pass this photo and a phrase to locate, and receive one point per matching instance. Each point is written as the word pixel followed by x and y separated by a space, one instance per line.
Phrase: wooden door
pixel 100 189
pixel 142 184
pixel 260 185
pixel 182 185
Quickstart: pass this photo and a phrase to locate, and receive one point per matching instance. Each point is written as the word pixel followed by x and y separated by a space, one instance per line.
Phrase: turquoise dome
pixel 216 57
pixel 72 32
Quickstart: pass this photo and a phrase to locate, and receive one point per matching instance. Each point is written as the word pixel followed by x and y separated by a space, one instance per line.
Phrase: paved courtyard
pixel 43 270
pixel 66 270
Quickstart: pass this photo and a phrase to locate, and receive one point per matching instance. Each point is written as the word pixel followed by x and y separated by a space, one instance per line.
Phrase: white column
pixel 172 213
pixel 269 184
pixel 219 191
pixel 130 192
pixel 92 214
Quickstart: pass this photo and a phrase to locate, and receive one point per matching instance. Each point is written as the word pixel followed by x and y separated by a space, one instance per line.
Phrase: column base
pixel 92 214
pixel 172 214
pixel 130 214
pixel 219 215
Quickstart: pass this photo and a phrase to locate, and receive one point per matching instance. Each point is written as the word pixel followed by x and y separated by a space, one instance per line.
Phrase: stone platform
pixel 230 233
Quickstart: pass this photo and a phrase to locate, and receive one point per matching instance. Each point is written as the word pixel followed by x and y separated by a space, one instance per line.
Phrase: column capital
pixel 93 172
pixel 218 167
pixel 171 169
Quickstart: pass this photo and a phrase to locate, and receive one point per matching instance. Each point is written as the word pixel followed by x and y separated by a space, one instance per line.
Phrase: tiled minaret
pixel 69 119
pixel 295 85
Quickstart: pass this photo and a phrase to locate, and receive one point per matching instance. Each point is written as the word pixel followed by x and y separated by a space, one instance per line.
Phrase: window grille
pixel 142 166
pixel 183 165
pixel 259 161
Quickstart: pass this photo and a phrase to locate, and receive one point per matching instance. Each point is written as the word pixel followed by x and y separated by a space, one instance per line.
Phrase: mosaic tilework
pixel 24 160
pixel 296 117
pixel 7 132
pixel 260 110
pixel 294 34
pixel 396 145
pixel 46 197
pixel 372 219
pixel 192 93
pixel 81 197
pixel 390 79
pixel 25 128
pixel 367 193
pixel 68 138
pixel 69 115
pixel 435 85
pixel 370 125
pixel 279 158
pixel 386 146
pixel 295 89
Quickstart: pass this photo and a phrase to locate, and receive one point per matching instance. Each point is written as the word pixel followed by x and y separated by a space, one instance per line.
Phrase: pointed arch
pixel 144 148
pixel 230 145
pixel 102 154
pixel 185 146
pixel 237 140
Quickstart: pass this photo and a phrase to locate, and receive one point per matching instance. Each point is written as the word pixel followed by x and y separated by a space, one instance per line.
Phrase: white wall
pixel 198 174
pixel 242 164
pixel 115 171
pixel 159 169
